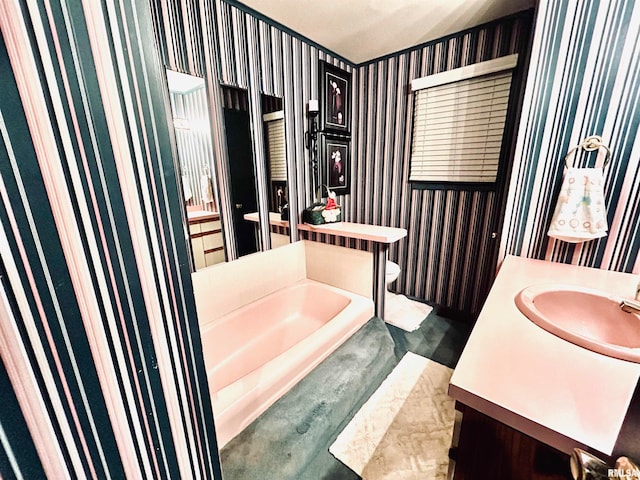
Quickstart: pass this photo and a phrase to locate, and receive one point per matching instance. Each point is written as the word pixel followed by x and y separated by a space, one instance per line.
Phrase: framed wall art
pixel 335 163
pixel 335 99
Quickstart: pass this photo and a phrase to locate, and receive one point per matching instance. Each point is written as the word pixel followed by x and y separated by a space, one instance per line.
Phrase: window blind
pixel 458 128
pixel 277 152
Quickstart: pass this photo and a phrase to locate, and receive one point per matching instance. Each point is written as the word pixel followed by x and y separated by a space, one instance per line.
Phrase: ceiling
pixel 362 30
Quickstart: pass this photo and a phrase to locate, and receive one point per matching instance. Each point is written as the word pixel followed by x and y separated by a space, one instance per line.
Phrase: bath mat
pixel 404 313
pixel 404 430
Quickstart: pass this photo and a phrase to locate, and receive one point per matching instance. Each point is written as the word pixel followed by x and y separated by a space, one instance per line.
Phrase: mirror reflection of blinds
pixel 277 153
pixel 457 130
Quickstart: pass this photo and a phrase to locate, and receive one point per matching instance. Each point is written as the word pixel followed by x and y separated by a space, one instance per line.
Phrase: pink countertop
pixel 362 231
pixel 523 376
pixel 274 219
pixel 374 233
pixel 202 215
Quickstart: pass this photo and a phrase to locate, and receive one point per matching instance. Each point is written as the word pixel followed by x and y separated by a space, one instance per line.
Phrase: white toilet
pixel 401 311
pixel 392 272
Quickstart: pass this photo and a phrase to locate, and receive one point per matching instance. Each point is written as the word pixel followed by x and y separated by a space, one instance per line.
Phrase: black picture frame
pixel 278 196
pixel 335 159
pixel 335 99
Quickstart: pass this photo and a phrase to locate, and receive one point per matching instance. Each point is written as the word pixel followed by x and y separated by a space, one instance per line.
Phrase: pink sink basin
pixel 585 317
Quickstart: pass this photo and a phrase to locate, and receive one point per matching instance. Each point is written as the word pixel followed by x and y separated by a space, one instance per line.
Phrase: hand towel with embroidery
pixel 206 190
pixel 580 213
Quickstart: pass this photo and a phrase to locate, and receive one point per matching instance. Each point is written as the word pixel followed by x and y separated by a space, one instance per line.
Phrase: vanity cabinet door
pixel 214 257
pixel 197 245
pixel 490 449
pixel 213 249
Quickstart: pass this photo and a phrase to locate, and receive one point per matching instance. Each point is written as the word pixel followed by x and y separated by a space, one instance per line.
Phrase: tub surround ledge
pixel 379 235
pixel 361 231
pixel 373 233
pixel 559 393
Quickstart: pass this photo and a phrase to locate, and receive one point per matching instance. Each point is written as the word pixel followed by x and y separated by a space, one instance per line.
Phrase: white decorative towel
pixel 186 189
pixel 580 214
pixel 206 190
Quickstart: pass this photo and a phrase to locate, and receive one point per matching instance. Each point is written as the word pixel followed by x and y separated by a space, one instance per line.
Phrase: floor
pixel 438 338
pixel 292 438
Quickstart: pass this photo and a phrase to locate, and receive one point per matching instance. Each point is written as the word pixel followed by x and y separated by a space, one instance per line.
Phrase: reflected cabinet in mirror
pixel 191 121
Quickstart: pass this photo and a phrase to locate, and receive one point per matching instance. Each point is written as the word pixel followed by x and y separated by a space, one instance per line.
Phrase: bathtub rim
pixel 214 322
pixel 261 310
pixel 231 403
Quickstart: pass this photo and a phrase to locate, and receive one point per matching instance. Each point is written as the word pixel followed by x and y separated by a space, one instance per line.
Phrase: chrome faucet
pixel 630 306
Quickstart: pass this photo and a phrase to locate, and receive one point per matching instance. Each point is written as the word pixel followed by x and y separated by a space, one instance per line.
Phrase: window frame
pixel 501 64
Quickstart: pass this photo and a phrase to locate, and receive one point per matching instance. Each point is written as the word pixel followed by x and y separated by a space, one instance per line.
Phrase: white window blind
pixel 458 128
pixel 277 152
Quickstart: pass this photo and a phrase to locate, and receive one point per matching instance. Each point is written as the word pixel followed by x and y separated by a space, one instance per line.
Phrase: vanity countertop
pixel 202 216
pixel 274 219
pixel 525 377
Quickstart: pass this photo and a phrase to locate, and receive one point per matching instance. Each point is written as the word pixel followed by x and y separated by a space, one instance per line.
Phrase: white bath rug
pixel 404 430
pixel 403 312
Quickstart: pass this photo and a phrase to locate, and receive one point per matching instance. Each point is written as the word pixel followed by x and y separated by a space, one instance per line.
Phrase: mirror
pixel 190 111
pixel 244 196
pixel 276 167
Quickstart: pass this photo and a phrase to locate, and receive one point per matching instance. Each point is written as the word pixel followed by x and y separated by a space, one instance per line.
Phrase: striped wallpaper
pixel 229 46
pixel 584 80
pixel 446 228
pixel 100 354
pixel 102 364
pixel 448 255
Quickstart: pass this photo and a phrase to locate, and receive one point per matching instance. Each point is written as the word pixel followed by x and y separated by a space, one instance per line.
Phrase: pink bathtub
pixel 256 353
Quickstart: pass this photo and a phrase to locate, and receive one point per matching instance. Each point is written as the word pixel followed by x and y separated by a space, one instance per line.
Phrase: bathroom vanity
pixel 516 380
pixel 205 233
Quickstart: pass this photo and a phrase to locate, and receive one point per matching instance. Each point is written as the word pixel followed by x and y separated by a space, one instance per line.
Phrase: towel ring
pixel 590 144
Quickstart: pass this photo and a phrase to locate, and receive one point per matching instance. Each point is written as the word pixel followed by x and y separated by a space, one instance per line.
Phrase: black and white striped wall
pixel 264 58
pixel 102 369
pixel 229 45
pixel 448 231
pixel 584 80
